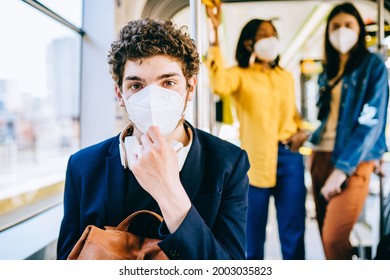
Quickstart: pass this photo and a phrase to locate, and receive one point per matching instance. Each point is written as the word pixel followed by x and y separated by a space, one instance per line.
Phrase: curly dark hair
pixel 145 38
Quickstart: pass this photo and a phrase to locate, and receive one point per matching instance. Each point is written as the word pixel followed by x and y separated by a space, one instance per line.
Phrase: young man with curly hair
pixel 159 162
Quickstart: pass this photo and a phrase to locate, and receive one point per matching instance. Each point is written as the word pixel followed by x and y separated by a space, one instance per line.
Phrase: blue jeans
pixel 290 195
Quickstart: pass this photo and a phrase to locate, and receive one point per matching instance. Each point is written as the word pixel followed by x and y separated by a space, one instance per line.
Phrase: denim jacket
pixel 360 134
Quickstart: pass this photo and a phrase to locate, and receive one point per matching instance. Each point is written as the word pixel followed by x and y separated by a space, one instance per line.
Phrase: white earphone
pixel 125 137
pixel 129 148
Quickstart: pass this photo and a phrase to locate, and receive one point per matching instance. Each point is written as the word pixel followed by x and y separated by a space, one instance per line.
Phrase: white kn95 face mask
pixel 154 105
pixel 343 39
pixel 267 49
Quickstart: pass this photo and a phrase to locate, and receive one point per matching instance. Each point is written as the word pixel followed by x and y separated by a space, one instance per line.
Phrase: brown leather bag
pixel 116 243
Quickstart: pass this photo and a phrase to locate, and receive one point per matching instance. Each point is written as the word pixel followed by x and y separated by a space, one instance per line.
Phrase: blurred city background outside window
pixel 39 96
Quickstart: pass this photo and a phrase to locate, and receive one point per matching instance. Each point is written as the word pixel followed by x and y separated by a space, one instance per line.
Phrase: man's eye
pixel 169 83
pixel 135 87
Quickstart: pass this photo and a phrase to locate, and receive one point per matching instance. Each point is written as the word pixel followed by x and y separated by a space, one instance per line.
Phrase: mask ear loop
pixel 186 100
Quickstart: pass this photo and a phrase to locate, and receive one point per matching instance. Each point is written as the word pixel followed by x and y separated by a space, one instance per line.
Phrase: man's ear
pixel 119 96
pixel 191 87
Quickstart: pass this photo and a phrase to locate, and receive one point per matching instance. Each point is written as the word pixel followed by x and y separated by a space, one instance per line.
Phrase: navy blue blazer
pixel 99 191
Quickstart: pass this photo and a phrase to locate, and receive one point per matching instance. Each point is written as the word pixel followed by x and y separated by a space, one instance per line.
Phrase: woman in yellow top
pixel 263 94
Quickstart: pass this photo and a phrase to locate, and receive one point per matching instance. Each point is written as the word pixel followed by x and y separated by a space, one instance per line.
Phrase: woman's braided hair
pixel 145 38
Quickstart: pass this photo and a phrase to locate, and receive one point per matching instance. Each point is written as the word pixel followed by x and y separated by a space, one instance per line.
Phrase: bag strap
pixel 124 225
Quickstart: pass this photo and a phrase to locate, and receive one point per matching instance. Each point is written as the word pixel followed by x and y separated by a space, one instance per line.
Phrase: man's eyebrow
pixel 133 78
pixel 163 76
pixel 167 75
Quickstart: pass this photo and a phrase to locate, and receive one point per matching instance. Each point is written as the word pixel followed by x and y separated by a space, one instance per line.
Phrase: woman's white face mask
pixel 267 49
pixel 343 39
pixel 154 105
